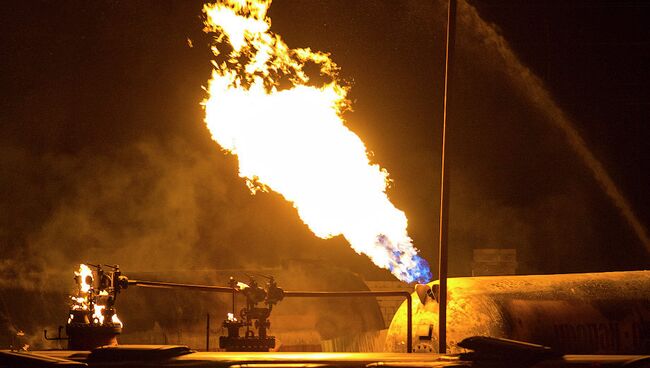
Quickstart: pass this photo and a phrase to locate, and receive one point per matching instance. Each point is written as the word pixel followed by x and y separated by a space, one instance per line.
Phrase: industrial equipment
pixel 93 318
pixel 591 313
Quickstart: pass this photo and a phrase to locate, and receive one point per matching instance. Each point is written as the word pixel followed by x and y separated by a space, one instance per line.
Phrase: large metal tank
pixel 591 313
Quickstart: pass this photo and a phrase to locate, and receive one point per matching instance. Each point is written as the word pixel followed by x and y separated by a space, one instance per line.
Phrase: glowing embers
pixel 289 136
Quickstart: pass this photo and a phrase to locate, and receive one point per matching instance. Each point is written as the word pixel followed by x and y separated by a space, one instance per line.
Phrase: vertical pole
pixel 409 324
pixel 207 333
pixel 444 184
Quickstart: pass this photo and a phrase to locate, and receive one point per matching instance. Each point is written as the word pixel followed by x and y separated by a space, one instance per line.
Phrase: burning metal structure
pixel 93 320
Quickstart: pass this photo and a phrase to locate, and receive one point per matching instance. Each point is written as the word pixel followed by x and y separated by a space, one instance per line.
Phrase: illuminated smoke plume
pixel 288 135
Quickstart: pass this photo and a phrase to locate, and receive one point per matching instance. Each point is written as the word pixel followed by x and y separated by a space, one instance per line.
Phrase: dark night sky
pixel 594 57
pixel 104 155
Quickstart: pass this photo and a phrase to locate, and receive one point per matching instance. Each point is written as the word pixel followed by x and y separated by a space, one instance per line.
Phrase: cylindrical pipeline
pixel 593 313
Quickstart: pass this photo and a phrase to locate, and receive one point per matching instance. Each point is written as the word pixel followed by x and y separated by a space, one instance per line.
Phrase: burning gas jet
pixel 289 136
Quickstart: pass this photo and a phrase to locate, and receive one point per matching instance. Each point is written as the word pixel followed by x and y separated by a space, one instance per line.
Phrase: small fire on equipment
pixel 93 320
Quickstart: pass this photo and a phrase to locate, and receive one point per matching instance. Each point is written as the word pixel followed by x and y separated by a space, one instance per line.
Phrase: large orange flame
pixel 289 136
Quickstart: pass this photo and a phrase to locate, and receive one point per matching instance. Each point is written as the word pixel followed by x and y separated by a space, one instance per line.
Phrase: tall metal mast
pixel 444 184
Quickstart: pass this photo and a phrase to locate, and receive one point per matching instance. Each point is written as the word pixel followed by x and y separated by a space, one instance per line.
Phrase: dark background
pixel 104 156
